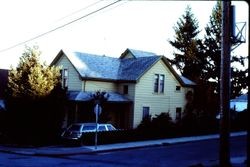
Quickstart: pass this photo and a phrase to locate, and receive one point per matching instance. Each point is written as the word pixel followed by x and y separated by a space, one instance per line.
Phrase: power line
pixel 59 27
pixel 77 11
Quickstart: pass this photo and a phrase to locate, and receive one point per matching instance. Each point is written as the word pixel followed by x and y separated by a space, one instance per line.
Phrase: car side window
pixel 110 127
pixel 101 128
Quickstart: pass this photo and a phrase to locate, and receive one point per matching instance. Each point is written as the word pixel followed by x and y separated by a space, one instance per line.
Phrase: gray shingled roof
pixel 94 66
pixel 187 81
pixel 104 67
pixel 91 66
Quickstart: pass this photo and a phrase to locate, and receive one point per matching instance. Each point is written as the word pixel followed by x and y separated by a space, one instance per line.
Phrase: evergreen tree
pixel 35 100
pixel 212 50
pixel 188 58
pixel 31 79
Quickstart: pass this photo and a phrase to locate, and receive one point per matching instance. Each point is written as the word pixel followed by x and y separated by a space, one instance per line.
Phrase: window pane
pixel 178 88
pixel 87 128
pixel 145 112
pixel 156 83
pixel 101 128
pixel 110 127
pixel 162 83
pixel 65 82
pixel 65 72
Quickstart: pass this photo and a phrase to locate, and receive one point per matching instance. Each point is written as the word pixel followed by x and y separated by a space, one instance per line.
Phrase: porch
pixel 117 110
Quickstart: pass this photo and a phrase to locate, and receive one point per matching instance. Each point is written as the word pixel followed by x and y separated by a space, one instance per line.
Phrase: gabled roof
pixel 95 67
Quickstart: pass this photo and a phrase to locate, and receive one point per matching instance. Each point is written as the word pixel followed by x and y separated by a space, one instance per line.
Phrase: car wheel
pixel 80 142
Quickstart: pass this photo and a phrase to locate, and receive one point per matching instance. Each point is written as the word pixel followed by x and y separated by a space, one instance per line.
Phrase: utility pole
pixel 224 155
pixel 248 115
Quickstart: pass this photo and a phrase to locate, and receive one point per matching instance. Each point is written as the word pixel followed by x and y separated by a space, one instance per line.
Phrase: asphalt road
pixel 177 155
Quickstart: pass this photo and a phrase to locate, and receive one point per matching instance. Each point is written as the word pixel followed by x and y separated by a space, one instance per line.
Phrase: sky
pixel 57 24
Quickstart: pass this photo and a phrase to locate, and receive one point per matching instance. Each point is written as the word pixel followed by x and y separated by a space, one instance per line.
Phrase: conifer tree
pixel 35 100
pixel 31 79
pixel 188 59
pixel 212 52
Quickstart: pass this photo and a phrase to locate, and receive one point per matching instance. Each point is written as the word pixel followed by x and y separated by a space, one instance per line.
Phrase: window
pixel 64 76
pixel 102 128
pixel 178 88
pixel 178 113
pixel 125 89
pixel 161 88
pixel 145 112
pixel 156 83
pixel 110 127
pixel 159 83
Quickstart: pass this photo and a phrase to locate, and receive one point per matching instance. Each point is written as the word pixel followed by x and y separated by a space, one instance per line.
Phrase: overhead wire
pixel 61 26
pixel 79 10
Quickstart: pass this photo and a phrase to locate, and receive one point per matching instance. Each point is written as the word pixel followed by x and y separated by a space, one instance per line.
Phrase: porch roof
pixel 87 96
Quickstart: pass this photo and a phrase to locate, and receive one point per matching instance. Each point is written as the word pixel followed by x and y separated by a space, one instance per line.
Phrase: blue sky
pixel 143 25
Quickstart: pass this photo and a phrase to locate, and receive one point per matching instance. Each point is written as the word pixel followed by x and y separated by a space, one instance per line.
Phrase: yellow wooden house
pixel 139 84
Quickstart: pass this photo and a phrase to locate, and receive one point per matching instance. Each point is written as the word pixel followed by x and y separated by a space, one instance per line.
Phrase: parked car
pixel 75 132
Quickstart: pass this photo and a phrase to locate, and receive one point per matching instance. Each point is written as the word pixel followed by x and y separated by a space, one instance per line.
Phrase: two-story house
pixel 139 84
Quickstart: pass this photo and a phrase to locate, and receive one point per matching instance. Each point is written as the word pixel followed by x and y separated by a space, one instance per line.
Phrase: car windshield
pixel 75 128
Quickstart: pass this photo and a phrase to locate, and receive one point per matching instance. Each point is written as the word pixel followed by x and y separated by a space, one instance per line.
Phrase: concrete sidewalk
pixel 62 150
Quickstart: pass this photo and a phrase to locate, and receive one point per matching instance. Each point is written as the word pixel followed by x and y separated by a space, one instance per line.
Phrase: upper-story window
pixel 64 76
pixel 178 88
pixel 159 83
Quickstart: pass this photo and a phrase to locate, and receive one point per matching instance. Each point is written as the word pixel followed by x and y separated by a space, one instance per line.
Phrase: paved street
pixel 172 155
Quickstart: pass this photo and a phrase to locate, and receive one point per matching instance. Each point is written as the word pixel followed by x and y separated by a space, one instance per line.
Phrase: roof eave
pixel 107 80
pixel 149 67
pixel 175 73
pixel 58 56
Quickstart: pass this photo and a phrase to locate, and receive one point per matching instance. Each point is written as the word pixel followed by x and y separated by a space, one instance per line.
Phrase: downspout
pixel 84 85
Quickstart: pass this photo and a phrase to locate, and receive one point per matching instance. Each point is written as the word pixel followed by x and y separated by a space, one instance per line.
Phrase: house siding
pixel 131 90
pixel 74 82
pixel 158 102
pixel 100 85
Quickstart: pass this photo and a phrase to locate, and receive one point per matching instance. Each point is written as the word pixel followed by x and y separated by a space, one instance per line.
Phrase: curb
pixel 110 147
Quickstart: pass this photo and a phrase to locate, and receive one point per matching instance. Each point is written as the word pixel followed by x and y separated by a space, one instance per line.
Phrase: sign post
pixel 97 111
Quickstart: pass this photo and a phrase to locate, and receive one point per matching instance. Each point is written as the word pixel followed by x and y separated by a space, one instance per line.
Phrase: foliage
pixel 35 102
pixel 100 97
pixel 212 51
pixel 162 122
pixel 188 58
pixel 31 79
pixel 200 59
